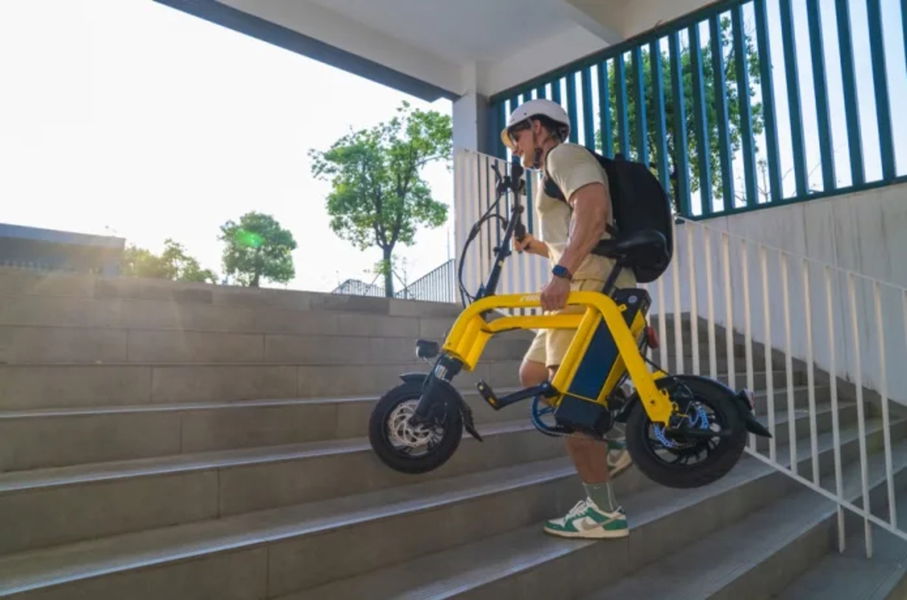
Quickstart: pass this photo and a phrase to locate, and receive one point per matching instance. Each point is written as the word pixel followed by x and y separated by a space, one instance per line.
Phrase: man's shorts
pixel 550 345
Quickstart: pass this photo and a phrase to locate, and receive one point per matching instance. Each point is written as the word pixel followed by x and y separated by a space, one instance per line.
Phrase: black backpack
pixel 639 203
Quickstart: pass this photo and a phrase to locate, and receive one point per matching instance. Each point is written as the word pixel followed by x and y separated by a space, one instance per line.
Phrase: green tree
pixel 257 247
pixel 378 197
pixel 731 94
pixel 173 264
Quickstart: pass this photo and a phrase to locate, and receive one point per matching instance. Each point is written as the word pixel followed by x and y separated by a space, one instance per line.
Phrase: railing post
pixel 776 191
pixel 746 113
pixel 810 372
pixel 604 108
pixel 788 364
pixel 707 254
pixel 835 416
pixel 880 79
pixel 767 347
pixel 703 148
pixel 861 418
pixel 719 89
pixel 792 74
pixel 680 159
pixel 661 137
pixel 820 83
pixel 851 108
pixel 639 87
pixel 883 392
pixel 694 300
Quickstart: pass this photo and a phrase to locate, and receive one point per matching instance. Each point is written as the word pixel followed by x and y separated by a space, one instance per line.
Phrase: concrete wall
pixel 863 233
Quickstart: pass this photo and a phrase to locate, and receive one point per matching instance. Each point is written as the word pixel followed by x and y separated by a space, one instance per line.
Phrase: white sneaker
pixel 587 521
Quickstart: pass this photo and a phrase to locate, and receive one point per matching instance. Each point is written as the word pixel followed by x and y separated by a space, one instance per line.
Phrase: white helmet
pixel 540 106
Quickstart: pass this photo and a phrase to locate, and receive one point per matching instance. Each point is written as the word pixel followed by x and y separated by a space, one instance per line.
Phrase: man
pixel 536 132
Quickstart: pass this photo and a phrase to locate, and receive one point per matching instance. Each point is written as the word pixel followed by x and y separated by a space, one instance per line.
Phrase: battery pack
pixel 584 406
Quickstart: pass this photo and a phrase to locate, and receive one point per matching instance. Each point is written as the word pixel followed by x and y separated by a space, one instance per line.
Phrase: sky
pixel 130 118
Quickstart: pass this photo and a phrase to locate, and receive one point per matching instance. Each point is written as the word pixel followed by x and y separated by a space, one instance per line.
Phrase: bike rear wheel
pixel 686 461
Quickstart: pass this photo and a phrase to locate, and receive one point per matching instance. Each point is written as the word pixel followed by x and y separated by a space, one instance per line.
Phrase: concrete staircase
pixel 163 440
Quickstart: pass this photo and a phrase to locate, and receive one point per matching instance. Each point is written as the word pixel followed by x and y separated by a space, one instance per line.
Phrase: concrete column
pixel 471 121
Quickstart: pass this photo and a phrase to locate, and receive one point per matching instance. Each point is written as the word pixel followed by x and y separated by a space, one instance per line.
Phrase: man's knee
pixel 532 373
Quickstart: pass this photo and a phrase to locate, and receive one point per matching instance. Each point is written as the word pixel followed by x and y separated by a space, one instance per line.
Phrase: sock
pixel 603 495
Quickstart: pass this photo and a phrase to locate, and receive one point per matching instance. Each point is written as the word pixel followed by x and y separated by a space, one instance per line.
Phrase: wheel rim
pixel 687 452
pixel 407 439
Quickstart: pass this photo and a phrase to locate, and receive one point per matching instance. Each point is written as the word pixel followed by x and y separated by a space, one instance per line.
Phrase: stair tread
pixel 723 556
pixel 451 571
pixel 850 574
pixel 76 474
pixel 39 568
pixel 236 404
pixel 472 565
pixel 82 473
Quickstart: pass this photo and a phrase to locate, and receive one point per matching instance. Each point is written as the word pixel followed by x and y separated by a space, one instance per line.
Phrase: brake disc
pixel 403 433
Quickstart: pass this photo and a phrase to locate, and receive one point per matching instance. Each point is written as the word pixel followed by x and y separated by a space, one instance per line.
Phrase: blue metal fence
pixel 747 103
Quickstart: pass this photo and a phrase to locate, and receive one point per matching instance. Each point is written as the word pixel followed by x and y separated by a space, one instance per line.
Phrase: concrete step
pixel 98 434
pixel 231 481
pixel 78 345
pixel 17 282
pixel 105 433
pixel 272 552
pixel 119 497
pixel 847 416
pixel 160 315
pixel 850 574
pixel 525 563
pixel 795 533
pixel 307 545
pixel 59 386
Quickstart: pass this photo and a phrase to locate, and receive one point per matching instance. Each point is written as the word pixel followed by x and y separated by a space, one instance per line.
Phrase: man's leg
pixel 597 516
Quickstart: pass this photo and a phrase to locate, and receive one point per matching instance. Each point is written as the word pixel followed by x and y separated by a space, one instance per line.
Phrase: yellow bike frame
pixel 471 332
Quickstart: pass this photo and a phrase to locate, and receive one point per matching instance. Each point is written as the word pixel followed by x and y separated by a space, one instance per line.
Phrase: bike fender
pixel 414 377
pixel 452 392
pixel 714 387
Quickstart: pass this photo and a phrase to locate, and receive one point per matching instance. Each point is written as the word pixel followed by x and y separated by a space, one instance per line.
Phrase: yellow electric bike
pixel 681 430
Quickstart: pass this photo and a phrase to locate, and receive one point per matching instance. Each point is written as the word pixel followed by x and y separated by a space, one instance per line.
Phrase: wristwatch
pixel 562 272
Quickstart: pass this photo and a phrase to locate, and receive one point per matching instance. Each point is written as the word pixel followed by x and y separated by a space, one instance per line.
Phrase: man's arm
pixel 591 213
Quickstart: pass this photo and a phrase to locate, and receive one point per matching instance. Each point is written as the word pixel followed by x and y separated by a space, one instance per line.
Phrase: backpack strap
pixel 552 190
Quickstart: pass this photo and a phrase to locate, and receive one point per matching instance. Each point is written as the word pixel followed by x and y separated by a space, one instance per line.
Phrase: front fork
pixel 436 386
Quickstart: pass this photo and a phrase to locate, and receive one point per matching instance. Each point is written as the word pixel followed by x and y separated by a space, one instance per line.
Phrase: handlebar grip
pixel 519 231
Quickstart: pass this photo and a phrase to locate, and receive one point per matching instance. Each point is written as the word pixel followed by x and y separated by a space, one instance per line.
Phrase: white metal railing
pixel 831 321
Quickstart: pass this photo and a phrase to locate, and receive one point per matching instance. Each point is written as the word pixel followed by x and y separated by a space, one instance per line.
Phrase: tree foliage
pixel 732 100
pixel 378 197
pixel 173 264
pixel 257 247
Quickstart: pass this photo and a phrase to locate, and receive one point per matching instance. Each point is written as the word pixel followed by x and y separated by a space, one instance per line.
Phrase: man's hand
pixel 531 245
pixel 554 296
pixel 524 244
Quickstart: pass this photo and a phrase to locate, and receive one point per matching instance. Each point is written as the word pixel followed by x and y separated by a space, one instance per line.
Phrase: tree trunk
pixel 388 273
pixel 257 275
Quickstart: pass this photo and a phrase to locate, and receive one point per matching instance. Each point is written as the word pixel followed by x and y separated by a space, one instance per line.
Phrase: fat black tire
pixel 435 454
pixel 711 468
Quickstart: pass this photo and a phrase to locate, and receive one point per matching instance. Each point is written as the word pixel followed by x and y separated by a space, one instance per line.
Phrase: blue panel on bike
pixel 602 353
pixel 596 364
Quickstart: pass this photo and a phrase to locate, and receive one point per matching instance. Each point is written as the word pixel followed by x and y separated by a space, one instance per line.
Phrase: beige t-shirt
pixel 571 167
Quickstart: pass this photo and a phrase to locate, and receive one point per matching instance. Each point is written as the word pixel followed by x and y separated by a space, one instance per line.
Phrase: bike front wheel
pixel 408 448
